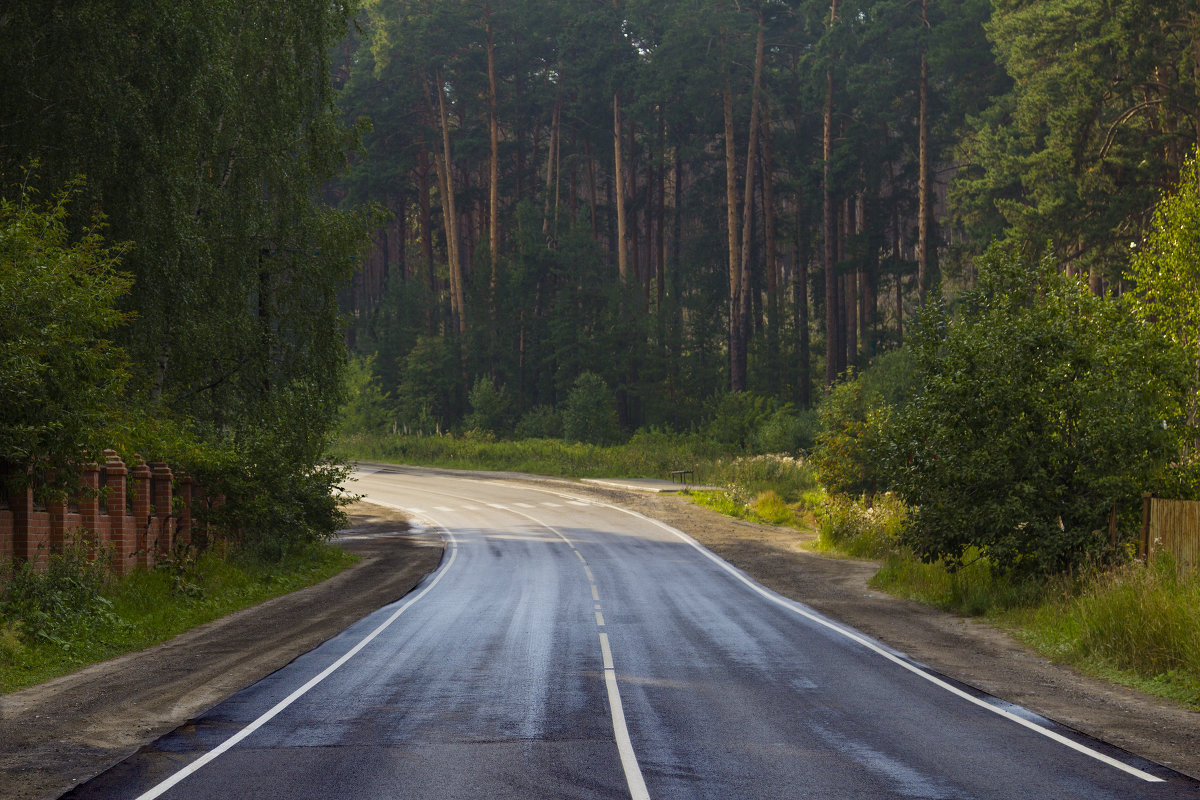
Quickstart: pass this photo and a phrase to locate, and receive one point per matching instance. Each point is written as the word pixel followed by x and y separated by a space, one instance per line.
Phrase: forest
pixel 883 233
pixel 923 275
pixel 692 198
pixel 168 270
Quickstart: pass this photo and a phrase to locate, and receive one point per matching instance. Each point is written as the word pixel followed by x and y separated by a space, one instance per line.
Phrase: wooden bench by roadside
pixel 683 476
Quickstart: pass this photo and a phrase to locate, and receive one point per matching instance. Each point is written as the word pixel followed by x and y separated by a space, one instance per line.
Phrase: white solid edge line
pixel 867 643
pixel 296 695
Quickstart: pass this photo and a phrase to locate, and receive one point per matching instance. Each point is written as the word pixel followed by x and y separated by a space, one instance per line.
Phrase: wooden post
pixel 1144 543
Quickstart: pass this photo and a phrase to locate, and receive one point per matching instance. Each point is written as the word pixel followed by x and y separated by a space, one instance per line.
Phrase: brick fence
pixel 137 514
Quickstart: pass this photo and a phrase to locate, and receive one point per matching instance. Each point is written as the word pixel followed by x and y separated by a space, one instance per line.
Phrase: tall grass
pixel 646 455
pixel 1139 624
pixel 853 528
pixel 974 589
pixel 772 489
pixel 76 613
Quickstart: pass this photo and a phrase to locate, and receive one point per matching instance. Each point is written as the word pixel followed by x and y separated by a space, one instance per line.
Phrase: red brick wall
pixel 136 526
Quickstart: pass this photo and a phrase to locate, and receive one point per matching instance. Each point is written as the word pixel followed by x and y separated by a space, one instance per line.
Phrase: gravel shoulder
pixel 69 729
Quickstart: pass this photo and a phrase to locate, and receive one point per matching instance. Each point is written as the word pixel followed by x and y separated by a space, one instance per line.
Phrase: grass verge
pixel 646 455
pixel 1136 624
pixel 75 613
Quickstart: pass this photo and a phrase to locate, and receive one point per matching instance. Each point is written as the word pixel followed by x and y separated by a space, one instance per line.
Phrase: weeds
pixel 60 603
pixel 858 530
pixel 1138 623
pixel 75 614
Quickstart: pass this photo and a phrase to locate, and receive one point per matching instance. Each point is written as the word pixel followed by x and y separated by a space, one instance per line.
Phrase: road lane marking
pixel 795 608
pixel 552 505
pixel 599 620
pixel 229 743
pixel 629 763
pixel 798 609
pixel 606 652
pixel 524 505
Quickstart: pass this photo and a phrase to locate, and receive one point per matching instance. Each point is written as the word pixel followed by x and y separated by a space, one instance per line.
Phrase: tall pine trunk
pixel 923 189
pixel 619 189
pixel 445 166
pixel 770 254
pixel 829 223
pixel 494 163
pixel 735 252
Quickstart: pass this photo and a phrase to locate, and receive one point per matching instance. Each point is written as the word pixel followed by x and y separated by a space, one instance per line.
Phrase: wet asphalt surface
pixel 568 649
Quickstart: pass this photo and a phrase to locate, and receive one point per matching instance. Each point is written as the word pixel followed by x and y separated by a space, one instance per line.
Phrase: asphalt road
pixel 570 649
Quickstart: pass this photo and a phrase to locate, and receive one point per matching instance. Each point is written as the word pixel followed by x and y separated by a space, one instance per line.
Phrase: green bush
pixel 854 418
pixel 60 603
pixel 61 379
pixel 1040 405
pixel 491 409
pixel 735 418
pixel 590 413
pixel 786 430
pixel 429 391
pixel 540 422
pixel 366 407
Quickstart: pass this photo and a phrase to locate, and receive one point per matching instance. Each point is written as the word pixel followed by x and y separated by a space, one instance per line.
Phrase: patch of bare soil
pixel 67 730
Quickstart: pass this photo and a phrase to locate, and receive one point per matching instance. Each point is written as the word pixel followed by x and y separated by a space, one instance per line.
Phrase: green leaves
pixel 61 379
pixel 1039 407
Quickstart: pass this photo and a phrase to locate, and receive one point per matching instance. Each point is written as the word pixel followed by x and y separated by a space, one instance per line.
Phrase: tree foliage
pixel 1039 406
pixel 62 380
pixel 1166 270
pixel 205 133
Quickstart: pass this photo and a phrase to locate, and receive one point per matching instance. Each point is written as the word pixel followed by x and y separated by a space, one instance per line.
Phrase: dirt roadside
pixel 60 733
pixel 67 730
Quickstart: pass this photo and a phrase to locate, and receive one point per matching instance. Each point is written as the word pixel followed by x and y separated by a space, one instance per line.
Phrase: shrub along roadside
pixel 1135 624
pixel 76 613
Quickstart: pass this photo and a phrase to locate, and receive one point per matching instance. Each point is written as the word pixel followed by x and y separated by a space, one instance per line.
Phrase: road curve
pixel 570 649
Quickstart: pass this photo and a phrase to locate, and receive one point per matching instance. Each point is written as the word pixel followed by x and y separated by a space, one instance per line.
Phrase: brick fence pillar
pixel 94 527
pixel 183 520
pixel 162 495
pixel 31 529
pixel 121 537
pixel 144 524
